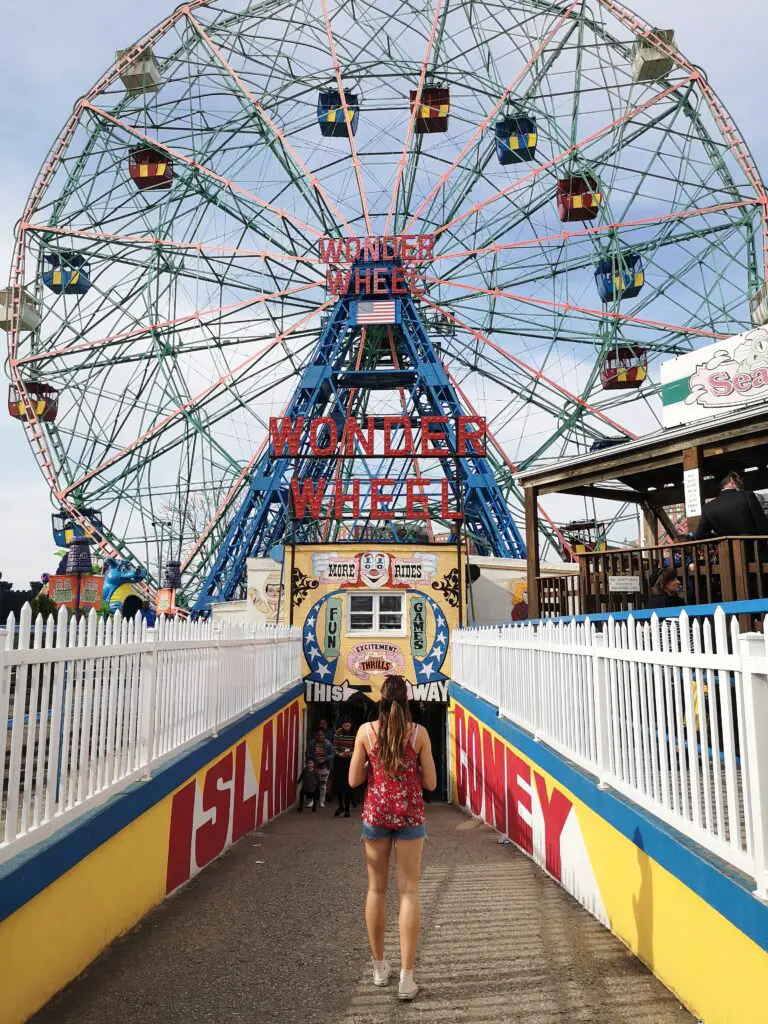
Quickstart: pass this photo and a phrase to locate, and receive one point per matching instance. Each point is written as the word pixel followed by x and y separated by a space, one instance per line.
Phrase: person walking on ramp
pixel 395 756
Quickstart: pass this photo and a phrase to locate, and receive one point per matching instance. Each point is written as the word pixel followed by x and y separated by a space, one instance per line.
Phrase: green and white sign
pixel 717 379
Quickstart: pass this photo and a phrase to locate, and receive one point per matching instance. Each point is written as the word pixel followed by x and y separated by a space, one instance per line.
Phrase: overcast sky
pixel 50 54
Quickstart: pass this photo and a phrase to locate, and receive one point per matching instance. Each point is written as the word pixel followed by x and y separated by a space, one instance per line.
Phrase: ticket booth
pixel 368 610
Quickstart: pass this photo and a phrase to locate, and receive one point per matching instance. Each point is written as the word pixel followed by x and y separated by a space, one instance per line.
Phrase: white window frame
pixel 377 630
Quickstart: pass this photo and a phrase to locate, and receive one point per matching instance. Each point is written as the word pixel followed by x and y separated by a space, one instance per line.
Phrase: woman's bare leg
pixel 408 864
pixel 377 853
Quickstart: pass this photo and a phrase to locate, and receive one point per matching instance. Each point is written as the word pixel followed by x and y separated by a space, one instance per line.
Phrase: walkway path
pixel 273 934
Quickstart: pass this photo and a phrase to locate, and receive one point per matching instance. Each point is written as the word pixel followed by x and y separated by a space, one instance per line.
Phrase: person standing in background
pixel 665 590
pixel 320 750
pixel 343 746
pixel 735 512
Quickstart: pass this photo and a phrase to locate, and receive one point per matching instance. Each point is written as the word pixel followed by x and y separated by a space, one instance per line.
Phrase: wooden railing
pixel 710 571
pixel 559 595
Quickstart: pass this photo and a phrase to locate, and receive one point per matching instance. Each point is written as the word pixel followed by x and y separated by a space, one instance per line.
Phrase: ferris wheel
pixel 594 209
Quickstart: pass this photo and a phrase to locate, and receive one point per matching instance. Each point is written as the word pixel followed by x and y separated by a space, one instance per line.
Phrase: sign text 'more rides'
pixel 717 379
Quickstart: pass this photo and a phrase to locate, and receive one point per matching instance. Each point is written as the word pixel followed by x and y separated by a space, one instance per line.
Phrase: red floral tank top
pixel 394 801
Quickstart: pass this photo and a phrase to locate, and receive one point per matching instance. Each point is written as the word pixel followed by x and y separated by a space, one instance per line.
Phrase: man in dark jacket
pixel 733 513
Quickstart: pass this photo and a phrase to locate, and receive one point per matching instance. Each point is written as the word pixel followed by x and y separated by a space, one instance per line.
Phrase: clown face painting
pixel 374 569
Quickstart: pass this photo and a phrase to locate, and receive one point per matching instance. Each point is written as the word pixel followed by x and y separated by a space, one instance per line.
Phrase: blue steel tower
pixel 350 362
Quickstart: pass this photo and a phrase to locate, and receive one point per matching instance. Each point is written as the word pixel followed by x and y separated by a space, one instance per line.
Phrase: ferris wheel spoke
pixel 536 375
pixel 719 114
pixel 145 330
pixel 564 154
pixel 513 467
pixel 350 134
pixel 165 444
pixel 277 132
pixel 481 129
pixel 415 107
pixel 582 310
pixel 189 406
pixel 168 243
pixel 593 232
pixel 232 186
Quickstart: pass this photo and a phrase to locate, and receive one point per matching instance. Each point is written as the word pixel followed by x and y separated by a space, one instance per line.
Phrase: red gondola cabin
pixel 43 399
pixel 578 198
pixel 433 110
pixel 624 369
pixel 150 169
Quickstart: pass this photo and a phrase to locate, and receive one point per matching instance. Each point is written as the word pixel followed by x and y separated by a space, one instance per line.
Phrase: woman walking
pixel 396 758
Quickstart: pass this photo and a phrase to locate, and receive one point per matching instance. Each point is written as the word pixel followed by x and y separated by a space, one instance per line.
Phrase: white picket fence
pixel 87 708
pixel 671 713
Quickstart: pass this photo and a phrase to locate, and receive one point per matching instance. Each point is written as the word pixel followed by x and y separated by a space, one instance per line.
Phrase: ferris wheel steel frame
pixel 331 220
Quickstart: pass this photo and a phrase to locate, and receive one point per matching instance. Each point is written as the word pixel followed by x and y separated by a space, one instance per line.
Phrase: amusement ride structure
pixel 590 206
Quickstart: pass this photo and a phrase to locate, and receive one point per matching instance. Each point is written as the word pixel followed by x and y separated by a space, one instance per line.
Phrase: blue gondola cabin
pixel 578 198
pixel 150 169
pixel 516 139
pixel 620 277
pixel 68 273
pixel 65 528
pixel 624 369
pixel 432 112
pixel 42 402
pixel 330 113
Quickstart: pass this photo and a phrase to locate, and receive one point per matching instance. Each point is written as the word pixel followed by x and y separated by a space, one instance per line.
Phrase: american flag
pixel 377 312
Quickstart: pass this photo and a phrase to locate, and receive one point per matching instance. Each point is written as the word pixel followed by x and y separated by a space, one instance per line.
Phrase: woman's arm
pixel 427 762
pixel 358 766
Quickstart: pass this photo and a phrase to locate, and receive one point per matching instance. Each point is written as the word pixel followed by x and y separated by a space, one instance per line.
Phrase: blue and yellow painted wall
pixel 689 918
pixel 63 901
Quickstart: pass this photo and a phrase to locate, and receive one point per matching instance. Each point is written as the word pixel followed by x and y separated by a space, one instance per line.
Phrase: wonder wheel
pixel 594 208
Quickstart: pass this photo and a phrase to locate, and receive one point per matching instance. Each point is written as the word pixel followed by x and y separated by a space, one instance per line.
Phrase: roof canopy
pixel 650 470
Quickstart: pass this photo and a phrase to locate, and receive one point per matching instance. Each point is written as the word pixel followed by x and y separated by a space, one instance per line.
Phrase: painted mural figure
pixel 269 599
pixel 519 601
pixel 395 757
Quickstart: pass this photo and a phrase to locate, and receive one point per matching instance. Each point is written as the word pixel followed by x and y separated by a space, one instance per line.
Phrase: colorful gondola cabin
pixel 624 369
pixel 65 528
pixel 150 169
pixel 330 113
pixel 68 273
pixel 578 198
pixel 41 401
pixel 619 277
pixel 433 109
pixel 516 139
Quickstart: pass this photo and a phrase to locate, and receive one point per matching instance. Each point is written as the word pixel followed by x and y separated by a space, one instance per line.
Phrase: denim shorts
pixel 406 832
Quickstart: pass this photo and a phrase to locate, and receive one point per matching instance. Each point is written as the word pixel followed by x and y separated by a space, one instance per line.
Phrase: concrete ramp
pixel 273 933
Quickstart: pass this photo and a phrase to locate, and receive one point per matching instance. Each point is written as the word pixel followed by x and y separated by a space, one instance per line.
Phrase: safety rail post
pixel 215 683
pixel 602 721
pixel 148 689
pixel 5 702
pixel 755 689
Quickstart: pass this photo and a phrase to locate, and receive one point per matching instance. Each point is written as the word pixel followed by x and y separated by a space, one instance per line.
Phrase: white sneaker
pixel 322 803
pixel 408 988
pixel 381 972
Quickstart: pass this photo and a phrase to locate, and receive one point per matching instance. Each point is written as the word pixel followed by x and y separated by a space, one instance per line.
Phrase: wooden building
pixel 683 465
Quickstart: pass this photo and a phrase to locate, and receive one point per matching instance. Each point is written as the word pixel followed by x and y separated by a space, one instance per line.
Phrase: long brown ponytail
pixel 394 720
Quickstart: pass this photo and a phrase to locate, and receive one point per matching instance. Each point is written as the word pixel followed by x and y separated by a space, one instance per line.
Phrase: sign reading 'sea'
pixel 718 378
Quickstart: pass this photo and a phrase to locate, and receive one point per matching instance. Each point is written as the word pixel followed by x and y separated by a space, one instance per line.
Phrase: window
pixel 375 613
